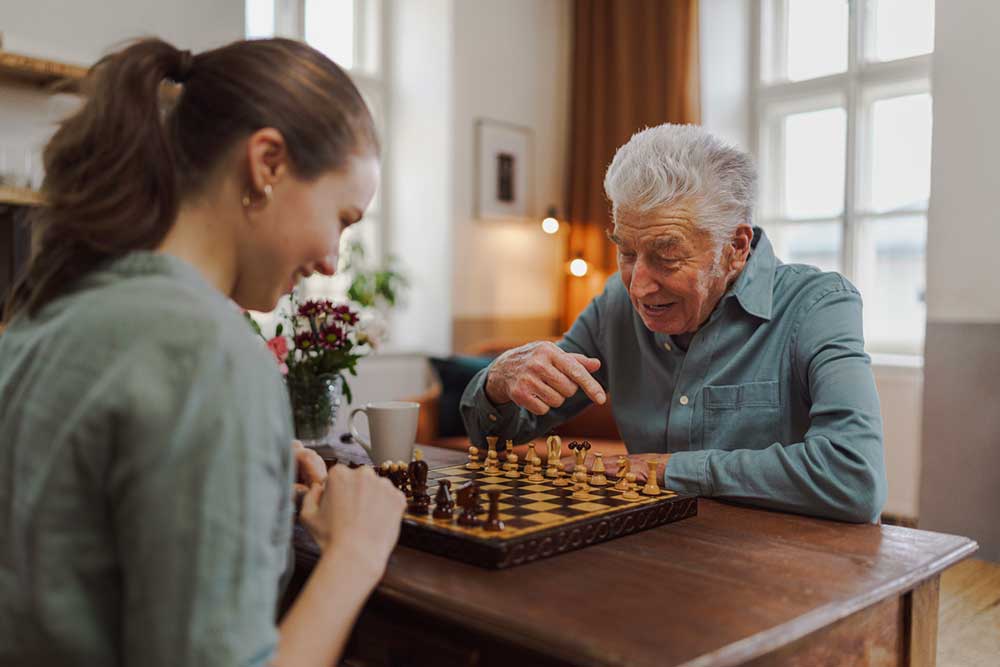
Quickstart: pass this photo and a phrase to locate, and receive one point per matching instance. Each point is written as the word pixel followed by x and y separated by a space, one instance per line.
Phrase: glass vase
pixel 315 402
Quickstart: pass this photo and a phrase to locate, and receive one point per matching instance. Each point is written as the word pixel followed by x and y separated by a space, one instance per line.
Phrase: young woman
pixel 146 465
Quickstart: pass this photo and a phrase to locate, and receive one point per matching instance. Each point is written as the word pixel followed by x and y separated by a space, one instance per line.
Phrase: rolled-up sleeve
pixel 838 470
pixel 200 498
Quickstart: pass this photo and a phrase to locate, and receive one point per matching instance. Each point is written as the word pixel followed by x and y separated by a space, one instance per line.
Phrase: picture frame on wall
pixel 503 158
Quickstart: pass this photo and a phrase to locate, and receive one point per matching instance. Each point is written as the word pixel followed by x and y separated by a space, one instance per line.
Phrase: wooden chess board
pixel 541 519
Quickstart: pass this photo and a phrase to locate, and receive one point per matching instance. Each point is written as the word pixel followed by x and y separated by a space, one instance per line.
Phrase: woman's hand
pixel 357 513
pixel 310 469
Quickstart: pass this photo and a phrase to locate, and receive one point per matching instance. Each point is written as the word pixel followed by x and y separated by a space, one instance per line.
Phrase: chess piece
pixel 631 493
pixel 403 475
pixel 493 522
pixel 384 469
pixel 473 463
pixel 444 506
pixel 535 474
pixel 651 488
pixel 419 500
pixel 491 456
pixel 624 467
pixel 468 500
pixel 511 465
pixel 554 445
pixel 599 478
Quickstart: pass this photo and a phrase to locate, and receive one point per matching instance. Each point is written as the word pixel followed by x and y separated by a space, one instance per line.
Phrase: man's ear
pixel 740 243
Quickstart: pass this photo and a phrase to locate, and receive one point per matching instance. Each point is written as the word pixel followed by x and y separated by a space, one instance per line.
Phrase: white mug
pixel 393 428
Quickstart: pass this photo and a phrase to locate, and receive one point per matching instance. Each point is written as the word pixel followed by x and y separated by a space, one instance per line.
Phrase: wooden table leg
pixel 920 620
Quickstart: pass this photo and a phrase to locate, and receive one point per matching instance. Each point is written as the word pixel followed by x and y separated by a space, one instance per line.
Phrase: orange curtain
pixel 634 65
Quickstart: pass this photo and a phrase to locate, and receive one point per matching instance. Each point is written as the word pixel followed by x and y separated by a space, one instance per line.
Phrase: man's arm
pixel 838 470
pixel 508 420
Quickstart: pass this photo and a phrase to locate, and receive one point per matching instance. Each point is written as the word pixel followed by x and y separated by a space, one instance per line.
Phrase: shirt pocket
pixel 741 416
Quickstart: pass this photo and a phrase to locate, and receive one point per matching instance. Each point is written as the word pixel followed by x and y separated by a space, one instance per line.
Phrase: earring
pixel 247 201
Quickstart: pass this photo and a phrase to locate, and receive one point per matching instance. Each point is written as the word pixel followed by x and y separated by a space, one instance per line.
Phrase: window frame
pixel 856 89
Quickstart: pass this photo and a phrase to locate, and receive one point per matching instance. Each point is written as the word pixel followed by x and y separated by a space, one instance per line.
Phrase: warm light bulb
pixel 578 267
pixel 550 225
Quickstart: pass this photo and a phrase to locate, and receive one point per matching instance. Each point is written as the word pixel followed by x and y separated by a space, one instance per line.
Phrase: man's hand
pixel 541 376
pixel 309 469
pixel 640 466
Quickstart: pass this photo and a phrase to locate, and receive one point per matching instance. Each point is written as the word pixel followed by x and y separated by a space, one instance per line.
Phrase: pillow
pixel 454 373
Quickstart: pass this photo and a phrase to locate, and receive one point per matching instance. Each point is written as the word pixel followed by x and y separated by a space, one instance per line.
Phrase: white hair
pixel 668 164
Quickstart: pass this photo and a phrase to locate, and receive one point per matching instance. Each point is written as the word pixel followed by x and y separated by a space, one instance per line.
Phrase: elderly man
pixel 747 375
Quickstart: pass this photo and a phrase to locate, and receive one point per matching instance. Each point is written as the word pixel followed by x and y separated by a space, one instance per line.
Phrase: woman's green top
pixel 145 476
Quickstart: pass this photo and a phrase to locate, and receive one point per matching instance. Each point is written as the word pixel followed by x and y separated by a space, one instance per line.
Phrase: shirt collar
pixel 754 288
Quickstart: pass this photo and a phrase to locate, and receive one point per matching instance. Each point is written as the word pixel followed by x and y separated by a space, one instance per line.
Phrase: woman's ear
pixel 267 158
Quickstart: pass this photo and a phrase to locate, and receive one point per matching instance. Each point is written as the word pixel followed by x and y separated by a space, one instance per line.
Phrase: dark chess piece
pixel 402 479
pixel 444 506
pixel 468 500
pixel 420 502
pixel 493 522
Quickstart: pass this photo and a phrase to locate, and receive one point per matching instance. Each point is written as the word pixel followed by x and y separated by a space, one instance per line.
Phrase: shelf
pixel 19 196
pixel 48 74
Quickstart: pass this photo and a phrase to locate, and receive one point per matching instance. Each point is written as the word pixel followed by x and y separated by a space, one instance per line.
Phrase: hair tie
pixel 185 64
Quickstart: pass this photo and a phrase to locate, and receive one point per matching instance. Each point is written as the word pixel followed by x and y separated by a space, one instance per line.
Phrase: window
pixel 842 106
pixel 348 32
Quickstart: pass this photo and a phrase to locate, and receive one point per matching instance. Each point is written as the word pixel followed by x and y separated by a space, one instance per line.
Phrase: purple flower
pixel 305 341
pixel 312 308
pixel 332 336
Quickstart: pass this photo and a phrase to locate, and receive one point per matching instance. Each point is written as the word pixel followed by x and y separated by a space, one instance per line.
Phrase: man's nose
pixel 642 283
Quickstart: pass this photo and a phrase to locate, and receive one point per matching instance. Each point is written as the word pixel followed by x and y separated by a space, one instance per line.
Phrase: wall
pixel 511 65
pixel 726 70
pixel 960 480
pixel 81 32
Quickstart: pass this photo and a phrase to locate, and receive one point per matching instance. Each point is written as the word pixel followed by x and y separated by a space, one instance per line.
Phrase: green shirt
pixel 772 402
pixel 145 476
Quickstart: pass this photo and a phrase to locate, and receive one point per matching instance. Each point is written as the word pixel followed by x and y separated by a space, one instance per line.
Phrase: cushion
pixel 454 374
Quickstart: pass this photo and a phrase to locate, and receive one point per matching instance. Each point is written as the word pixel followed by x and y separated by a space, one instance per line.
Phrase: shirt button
pixel 684 400
pixel 493 418
pixel 666 346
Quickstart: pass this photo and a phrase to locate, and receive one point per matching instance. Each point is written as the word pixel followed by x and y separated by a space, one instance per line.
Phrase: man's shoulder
pixel 798 287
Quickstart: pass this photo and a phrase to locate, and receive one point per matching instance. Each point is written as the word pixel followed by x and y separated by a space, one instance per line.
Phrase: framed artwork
pixel 503 155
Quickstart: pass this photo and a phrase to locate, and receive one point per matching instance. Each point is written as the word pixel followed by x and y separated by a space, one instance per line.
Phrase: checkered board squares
pixel 526 507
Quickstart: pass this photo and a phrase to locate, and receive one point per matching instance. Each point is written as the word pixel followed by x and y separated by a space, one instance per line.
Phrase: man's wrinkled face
pixel 670 267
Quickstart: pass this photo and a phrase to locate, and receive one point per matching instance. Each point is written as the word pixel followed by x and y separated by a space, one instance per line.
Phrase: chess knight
pixel 747 376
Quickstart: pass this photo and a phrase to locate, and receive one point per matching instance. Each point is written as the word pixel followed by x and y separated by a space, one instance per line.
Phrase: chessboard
pixel 540 519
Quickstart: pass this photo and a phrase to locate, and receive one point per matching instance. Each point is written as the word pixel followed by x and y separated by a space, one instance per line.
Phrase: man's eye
pixel 628 256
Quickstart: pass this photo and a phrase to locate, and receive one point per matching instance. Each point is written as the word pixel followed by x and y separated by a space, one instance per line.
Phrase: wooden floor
pixel 969 621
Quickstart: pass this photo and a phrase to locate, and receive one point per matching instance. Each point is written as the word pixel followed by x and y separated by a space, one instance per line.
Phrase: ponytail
pixel 109 181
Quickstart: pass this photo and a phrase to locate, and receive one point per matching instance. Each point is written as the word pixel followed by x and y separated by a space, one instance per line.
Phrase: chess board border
pixel 502 552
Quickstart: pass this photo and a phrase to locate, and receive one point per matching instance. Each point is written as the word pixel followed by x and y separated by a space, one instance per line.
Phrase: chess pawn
pixel 493 522
pixel 473 463
pixel 624 465
pixel 511 465
pixel 554 445
pixel 651 488
pixel 444 506
pixel 491 463
pixel 631 493
pixel 599 478
pixel 536 469
pixel 468 500
pixel 404 478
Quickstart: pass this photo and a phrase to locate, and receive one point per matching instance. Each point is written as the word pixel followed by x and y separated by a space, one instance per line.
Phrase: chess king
pixel 746 375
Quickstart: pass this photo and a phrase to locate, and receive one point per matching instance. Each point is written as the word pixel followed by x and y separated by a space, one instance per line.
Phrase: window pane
pixel 891 261
pixel 814 154
pixel 814 243
pixel 901 28
pixel 259 18
pixel 817 38
pixel 330 28
pixel 901 152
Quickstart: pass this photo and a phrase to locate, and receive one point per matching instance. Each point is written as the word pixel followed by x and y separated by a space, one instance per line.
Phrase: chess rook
pixel 651 488
pixel 493 522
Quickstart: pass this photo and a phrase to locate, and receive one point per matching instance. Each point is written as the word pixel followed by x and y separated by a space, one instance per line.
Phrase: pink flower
pixel 279 348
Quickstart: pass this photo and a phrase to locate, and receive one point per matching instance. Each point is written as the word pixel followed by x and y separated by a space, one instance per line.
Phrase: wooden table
pixel 732 586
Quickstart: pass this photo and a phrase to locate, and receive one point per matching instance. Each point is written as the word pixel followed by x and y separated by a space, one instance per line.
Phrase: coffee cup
pixel 392 426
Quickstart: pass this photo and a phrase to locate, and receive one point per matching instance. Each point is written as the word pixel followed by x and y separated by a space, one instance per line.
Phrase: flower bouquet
pixel 321 343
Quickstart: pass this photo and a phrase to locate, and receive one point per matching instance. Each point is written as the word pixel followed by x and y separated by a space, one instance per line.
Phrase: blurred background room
pixel 873 123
